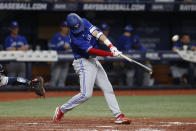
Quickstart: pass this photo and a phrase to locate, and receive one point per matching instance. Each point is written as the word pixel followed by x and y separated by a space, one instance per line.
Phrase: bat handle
pixel 126 58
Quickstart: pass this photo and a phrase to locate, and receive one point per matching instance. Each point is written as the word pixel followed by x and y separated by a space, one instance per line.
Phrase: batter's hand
pixel 113 49
pixel 117 53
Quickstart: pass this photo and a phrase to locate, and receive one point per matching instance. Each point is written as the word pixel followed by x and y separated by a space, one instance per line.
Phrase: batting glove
pixel 117 53
pixel 113 49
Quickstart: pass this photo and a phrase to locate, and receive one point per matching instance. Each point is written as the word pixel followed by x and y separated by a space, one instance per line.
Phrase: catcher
pixel 36 84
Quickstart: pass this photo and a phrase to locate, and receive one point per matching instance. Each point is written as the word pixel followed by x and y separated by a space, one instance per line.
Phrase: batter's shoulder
pixel 85 20
pixel 87 23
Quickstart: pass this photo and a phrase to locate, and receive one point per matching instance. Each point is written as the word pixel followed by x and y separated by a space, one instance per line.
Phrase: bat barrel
pixel 149 70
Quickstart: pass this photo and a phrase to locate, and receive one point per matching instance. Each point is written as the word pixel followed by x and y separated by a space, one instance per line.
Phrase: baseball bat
pixel 149 70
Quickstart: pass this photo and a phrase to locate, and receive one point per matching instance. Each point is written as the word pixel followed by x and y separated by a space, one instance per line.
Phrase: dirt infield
pixel 95 124
pixel 14 96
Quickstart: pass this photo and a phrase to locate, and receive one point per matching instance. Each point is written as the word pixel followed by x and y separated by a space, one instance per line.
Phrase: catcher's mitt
pixel 37 84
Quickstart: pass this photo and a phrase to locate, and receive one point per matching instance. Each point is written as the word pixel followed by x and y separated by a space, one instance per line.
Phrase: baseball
pixel 175 38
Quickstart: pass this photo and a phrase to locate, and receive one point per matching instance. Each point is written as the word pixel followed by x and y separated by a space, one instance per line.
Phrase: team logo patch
pixel 77 26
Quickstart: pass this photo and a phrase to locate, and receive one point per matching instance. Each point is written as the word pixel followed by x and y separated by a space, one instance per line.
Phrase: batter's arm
pixel 98 52
pixel 101 37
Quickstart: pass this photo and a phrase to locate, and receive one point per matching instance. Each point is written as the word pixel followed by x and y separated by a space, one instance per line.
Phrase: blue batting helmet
pixel 75 23
pixel 128 28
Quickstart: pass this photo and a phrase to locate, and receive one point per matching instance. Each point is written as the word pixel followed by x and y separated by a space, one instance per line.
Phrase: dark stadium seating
pixel 154 21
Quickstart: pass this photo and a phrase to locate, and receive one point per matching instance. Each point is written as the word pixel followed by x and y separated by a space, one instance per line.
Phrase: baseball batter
pixel 35 84
pixel 83 40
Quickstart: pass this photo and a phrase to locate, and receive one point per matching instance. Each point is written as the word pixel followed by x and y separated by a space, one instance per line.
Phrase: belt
pixel 77 58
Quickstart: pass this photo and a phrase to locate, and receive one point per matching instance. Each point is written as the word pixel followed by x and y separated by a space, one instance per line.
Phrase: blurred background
pixel 142 29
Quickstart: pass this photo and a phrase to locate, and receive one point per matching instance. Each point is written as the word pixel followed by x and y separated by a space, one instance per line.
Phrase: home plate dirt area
pixel 96 124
